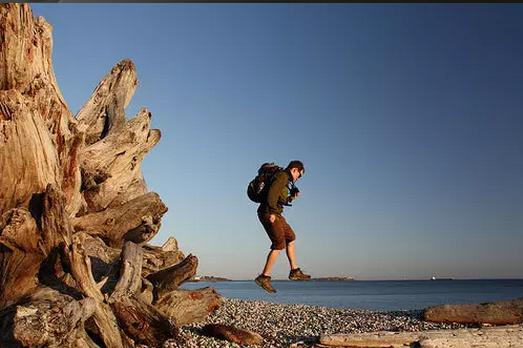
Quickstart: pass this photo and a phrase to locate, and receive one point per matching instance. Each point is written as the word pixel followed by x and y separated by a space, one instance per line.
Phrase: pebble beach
pixel 299 325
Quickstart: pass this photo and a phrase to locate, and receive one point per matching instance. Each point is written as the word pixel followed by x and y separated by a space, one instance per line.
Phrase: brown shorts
pixel 279 232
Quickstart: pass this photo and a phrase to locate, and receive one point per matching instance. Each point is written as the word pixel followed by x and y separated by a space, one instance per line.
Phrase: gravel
pixel 299 325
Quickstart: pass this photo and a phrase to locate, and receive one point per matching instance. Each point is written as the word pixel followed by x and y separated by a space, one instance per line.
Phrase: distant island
pixel 333 279
pixel 208 279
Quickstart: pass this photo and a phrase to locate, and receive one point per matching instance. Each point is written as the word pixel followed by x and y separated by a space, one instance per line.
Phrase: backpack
pixel 258 187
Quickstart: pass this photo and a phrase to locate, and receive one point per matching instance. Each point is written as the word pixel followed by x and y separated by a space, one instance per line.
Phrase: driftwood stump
pixel 75 212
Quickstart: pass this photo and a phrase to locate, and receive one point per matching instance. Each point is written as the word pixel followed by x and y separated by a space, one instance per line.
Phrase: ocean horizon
pixel 375 280
pixel 377 295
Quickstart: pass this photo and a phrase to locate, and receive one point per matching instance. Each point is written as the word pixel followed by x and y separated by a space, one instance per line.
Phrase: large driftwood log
pixel 487 337
pixel 497 313
pixel 75 212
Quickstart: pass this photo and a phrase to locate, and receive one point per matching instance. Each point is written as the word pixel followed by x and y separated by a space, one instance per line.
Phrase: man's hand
pixel 272 218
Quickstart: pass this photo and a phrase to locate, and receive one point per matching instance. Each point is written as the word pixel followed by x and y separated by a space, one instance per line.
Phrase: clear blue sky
pixel 408 117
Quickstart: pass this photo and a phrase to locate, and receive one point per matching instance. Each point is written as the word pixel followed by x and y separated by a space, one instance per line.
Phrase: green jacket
pixel 278 194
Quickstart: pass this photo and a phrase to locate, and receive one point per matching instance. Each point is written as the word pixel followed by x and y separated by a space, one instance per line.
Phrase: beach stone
pixel 486 337
pixel 232 334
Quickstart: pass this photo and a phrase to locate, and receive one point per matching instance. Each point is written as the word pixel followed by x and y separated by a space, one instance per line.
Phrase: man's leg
pixel 295 273
pixel 277 238
pixel 271 260
pixel 291 255
pixel 264 279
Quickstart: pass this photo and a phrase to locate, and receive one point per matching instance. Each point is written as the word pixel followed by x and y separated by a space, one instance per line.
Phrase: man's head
pixel 296 169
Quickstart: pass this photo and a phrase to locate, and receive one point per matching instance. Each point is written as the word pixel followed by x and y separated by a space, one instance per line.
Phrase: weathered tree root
pixel 75 212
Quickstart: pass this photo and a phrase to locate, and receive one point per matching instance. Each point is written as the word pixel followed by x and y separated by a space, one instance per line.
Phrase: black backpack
pixel 258 187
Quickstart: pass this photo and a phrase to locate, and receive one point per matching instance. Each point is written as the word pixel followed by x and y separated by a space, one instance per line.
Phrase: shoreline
pixel 282 325
pixel 372 280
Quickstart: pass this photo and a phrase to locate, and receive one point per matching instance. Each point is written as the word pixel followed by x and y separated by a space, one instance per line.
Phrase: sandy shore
pixel 301 325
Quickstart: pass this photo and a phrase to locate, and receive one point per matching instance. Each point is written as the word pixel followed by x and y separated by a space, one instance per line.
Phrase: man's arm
pixel 277 186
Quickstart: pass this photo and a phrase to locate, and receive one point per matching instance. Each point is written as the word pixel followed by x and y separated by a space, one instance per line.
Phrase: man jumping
pixel 280 233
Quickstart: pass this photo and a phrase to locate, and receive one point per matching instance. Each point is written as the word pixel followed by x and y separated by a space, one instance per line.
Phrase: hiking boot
pixel 297 274
pixel 265 282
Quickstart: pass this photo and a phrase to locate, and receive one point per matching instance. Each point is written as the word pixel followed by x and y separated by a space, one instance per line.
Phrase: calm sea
pixel 373 295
